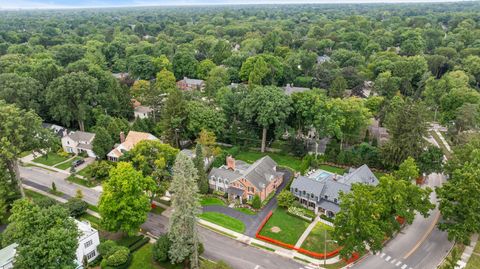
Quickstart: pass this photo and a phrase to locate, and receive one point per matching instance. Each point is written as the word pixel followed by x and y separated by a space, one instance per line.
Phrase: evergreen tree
pixel 185 204
pixel 200 166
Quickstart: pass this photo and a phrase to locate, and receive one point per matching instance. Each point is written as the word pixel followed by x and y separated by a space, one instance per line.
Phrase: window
pixel 311 195
pixel 335 200
pixel 296 190
pixel 88 243
pixel 91 255
pixel 326 197
pixel 303 192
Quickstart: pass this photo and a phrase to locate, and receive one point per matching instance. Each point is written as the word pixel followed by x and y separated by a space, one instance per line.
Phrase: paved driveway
pixel 252 222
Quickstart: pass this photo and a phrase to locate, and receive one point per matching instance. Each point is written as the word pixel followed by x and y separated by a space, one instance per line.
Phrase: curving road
pixel 419 245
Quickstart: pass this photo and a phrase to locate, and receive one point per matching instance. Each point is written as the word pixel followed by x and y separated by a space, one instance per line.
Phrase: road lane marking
pixel 424 237
pixel 257 267
pixel 398 263
pixel 388 258
pixel 393 261
pixel 404 266
pixel 383 254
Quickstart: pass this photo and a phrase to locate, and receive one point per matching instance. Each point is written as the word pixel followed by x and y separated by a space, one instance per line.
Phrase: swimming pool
pixel 321 175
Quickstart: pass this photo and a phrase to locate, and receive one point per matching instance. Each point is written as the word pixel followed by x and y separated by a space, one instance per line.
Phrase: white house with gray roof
pixel 321 190
pixel 78 142
pixel 290 89
pixel 243 181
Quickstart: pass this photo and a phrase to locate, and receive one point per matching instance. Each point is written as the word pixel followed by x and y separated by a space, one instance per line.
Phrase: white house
pixel 126 144
pixel 78 142
pixel 142 112
pixel 87 247
pixel 87 242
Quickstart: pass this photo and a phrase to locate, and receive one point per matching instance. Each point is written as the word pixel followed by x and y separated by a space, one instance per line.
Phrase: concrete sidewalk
pixel 467 253
pixel 307 232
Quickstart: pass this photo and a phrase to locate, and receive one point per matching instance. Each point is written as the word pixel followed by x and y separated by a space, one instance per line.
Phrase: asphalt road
pixel 217 247
pixel 419 245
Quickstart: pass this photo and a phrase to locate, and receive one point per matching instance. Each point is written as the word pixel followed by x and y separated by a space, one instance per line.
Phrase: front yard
pixel 210 200
pixel 68 165
pixel 224 221
pixel 284 227
pixel 51 159
pixel 315 241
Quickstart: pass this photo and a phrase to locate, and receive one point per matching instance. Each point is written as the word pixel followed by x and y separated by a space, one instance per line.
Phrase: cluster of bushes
pixel 76 207
pixel 135 242
pixel 357 155
pixel 99 170
pixel 162 247
pixel 114 256
pixel 327 218
pixel 222 156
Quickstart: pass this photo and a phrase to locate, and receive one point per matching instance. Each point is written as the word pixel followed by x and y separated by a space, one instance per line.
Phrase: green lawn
pixel 315 241
pixel 473 262
pixel 143 259
pixel 224 221
pixel 333 169
pixel 211 201
pixel 291 228
pixel 245 210
pixel 83 182
pixel 36 197
pixel 477 248
pixel 67 165
pixel 50 159
pixel 282 160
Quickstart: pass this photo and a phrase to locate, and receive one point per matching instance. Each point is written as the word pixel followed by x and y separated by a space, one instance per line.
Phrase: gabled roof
pixel 192 81
pixel 7 254
pixel 132 139
pixel 261 172
pixel 363 174
pixel 79 136
pixel 290 89
pixel 225 174
pixel 305 183
pixel 143 109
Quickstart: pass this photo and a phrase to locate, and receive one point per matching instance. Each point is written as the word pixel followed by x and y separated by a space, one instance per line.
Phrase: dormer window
pixel 303 192
pixel 326 197
pixel 335 200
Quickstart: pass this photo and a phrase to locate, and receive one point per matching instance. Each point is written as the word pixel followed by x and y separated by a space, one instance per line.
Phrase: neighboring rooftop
pixel 7 254
pixel 192 81
pixel 81 136
pixel 85 229
pixel 143 109
pixel 290 89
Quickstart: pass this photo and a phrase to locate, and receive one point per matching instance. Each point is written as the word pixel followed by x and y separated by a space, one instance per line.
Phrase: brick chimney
pixel 122 137
pixel 230 163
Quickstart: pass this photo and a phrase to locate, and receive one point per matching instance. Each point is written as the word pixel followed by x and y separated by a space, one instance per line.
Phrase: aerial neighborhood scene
pixel 235 134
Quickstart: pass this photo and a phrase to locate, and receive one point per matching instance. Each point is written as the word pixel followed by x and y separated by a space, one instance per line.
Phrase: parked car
pixel 77 162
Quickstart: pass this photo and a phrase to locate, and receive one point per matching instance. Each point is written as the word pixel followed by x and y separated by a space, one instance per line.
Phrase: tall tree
pixel 407 128
pixel 407 170
pixel 203 116
pixel 25 92
pixel 338 87
pixel 102 143
pixel 125 201
pixel 70 98
pixel 431 161
pixel 183 222
pixel 46 237
pixel 20 131
pixel 199 162
pixel 266 106
pixel 174 117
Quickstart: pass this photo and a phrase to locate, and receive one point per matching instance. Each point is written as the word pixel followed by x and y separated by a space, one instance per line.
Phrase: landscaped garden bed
pixel 224 221
pixel 283 227
pixel 315 241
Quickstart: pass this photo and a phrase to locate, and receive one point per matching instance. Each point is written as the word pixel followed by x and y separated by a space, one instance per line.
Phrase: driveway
pixel 252 222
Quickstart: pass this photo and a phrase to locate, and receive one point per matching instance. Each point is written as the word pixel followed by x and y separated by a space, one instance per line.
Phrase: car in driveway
pixel 77 163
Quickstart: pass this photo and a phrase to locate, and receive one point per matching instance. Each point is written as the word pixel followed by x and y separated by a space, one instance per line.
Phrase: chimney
pixel 122 137
pixel 230 162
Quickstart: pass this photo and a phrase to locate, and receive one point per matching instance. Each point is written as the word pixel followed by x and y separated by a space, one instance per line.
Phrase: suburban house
pixel 320 191
pixel 87 247
pixel 87 242
pixel 243 181
pixel 78 142
pixel 58 130
pixel 191 154
pixel 126 144
pixel 142 112
pixel 188 84
pixel 290 89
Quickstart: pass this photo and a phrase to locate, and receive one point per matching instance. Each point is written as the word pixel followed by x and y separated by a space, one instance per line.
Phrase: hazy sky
pixel 45 4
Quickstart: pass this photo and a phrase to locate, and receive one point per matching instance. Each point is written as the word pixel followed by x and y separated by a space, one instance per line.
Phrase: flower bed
pixel 298 212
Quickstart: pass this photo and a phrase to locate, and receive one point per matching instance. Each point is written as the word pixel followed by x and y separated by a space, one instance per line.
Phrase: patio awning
pixel 235 191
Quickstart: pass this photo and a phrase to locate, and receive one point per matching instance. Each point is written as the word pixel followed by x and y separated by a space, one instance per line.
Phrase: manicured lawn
pixel 290 227
pixel 211 201
pixel 281 159
pixel 67 165
pixel 477 248
pixel 473 262
pixel 143 259
pixel 245 210
pixel 36 197
pixel 83 182
pixel 50 159
pixel 224 221
pixel 333 169
pixel 315 241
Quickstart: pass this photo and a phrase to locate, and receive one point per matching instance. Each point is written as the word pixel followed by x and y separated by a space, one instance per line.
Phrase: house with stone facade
pixel 242 181
pixel 321 190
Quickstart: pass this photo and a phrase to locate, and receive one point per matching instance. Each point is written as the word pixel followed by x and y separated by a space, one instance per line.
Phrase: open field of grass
pixel 282 160
pixel 315 241
pixel 51 159
pixel 289 230
pixel 224 221
pixel 332 169
pixel 473 262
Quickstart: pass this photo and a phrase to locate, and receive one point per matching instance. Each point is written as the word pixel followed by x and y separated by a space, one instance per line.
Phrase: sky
pixel 55 4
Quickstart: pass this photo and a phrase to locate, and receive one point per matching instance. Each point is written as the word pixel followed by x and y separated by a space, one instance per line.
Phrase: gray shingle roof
pixel 363 174
pixel 225 174
pixel 332 190
pixel 81 136
pixel 289 89
pixel 191 81
pixel 261 172
pixel 308 185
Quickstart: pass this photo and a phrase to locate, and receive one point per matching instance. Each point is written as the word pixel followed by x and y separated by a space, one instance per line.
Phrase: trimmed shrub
pixel 161 248
pixel 76 207
pixel 285 198
pixel 119 257
pixel 106 248
pixel 256 202
pixel 139 244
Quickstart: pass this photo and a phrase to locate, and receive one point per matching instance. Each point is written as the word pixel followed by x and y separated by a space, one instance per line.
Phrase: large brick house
pixel 243 181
